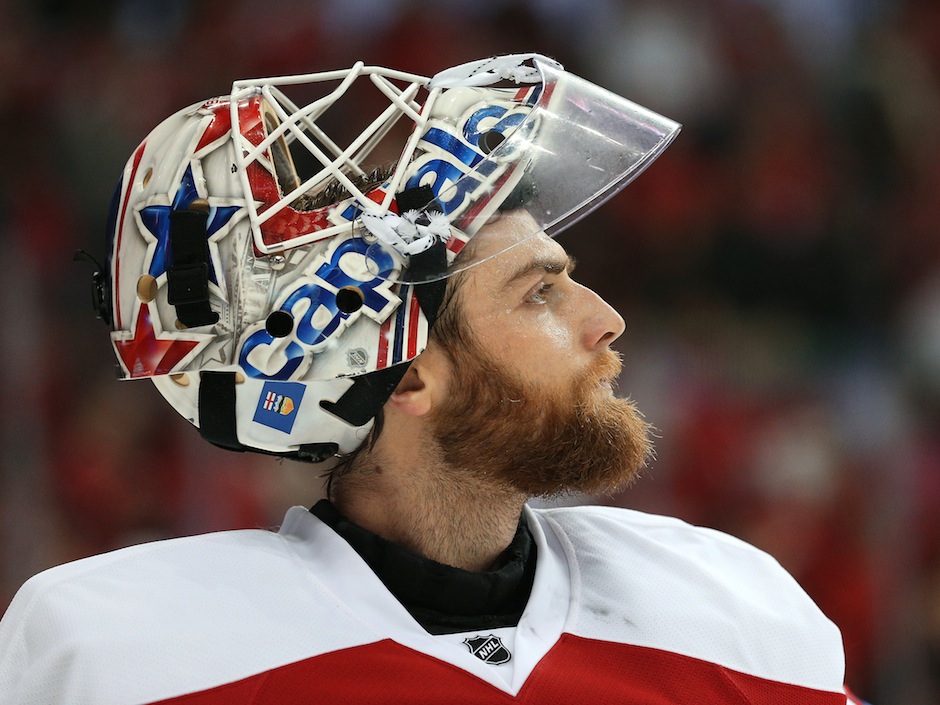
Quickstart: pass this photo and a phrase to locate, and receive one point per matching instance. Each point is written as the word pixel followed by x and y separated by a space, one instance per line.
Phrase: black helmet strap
pixel 188 277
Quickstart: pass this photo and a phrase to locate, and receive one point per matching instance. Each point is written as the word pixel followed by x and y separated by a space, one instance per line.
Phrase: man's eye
pixel 540 295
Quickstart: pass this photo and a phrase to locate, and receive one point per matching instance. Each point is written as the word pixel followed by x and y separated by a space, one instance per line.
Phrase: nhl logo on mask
pixel 489 649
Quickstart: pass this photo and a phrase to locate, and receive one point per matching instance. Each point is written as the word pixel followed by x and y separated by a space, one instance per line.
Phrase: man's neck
pixel 442 514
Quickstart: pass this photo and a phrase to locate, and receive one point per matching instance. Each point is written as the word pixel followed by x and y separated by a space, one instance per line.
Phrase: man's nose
pixel 603 325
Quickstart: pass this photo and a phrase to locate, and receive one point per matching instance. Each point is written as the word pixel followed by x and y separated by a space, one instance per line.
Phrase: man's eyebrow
pixel 543 264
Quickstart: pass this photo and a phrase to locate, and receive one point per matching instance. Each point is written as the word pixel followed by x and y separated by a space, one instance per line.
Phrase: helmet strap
pixel 188 277
pixel 423 265
pixel 217 421
pixel 430 294
pixel 368 393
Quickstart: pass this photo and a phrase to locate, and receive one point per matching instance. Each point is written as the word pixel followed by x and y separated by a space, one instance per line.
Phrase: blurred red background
pixel 778 268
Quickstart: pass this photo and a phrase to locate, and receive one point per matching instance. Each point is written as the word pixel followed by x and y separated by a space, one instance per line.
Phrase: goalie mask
pixel 274 289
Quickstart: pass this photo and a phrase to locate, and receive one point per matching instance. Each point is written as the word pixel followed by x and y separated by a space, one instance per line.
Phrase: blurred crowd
pixel 778 269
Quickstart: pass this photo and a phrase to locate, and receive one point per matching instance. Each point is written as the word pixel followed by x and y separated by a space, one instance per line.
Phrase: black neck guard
pixel 444 599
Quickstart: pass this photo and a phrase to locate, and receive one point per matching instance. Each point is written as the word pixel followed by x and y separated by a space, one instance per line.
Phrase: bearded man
pixel 420 330
pixel 511 400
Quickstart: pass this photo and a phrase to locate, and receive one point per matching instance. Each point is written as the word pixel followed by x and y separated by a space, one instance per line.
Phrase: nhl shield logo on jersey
pixel 489 649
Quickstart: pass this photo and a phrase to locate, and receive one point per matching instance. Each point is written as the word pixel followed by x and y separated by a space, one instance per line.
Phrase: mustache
pixel 607 366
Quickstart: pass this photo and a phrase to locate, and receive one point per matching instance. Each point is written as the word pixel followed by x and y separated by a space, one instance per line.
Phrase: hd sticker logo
pixel 278 405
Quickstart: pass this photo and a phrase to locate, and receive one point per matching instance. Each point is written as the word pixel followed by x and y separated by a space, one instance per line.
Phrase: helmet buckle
pixel 100 288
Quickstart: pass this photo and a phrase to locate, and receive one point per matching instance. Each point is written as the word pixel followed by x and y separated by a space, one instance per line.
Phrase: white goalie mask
pixel 274 288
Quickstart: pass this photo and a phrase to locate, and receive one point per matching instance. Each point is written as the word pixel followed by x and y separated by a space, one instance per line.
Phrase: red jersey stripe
pixel 576 670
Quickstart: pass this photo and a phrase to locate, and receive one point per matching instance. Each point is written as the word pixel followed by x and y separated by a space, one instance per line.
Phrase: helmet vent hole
pixel 147 177
pixel 280 324
pixel 490 140
pixel 349 299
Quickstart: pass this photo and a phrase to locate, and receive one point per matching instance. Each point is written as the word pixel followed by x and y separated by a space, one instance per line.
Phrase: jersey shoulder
pixel 142 567
pixel 137 583
pixel 148 622
pixel 660 582
pixel 651 534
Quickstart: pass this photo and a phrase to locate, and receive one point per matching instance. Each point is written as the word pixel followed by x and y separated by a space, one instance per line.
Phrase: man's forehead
pixel 536 253
pixel 510 239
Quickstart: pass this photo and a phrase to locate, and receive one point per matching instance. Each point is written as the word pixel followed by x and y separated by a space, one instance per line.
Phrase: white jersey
pixel 625 607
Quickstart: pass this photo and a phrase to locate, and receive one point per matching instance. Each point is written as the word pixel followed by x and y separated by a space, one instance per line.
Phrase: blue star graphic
pixel 157 220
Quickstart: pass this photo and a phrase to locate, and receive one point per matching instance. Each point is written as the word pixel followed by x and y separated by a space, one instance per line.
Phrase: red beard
pixel 541 440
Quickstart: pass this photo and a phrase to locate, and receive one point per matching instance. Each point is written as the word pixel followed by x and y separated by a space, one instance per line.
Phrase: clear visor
pixel 579 146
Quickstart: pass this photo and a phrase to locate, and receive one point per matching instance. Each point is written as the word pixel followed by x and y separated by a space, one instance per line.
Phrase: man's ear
pixel 421 387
